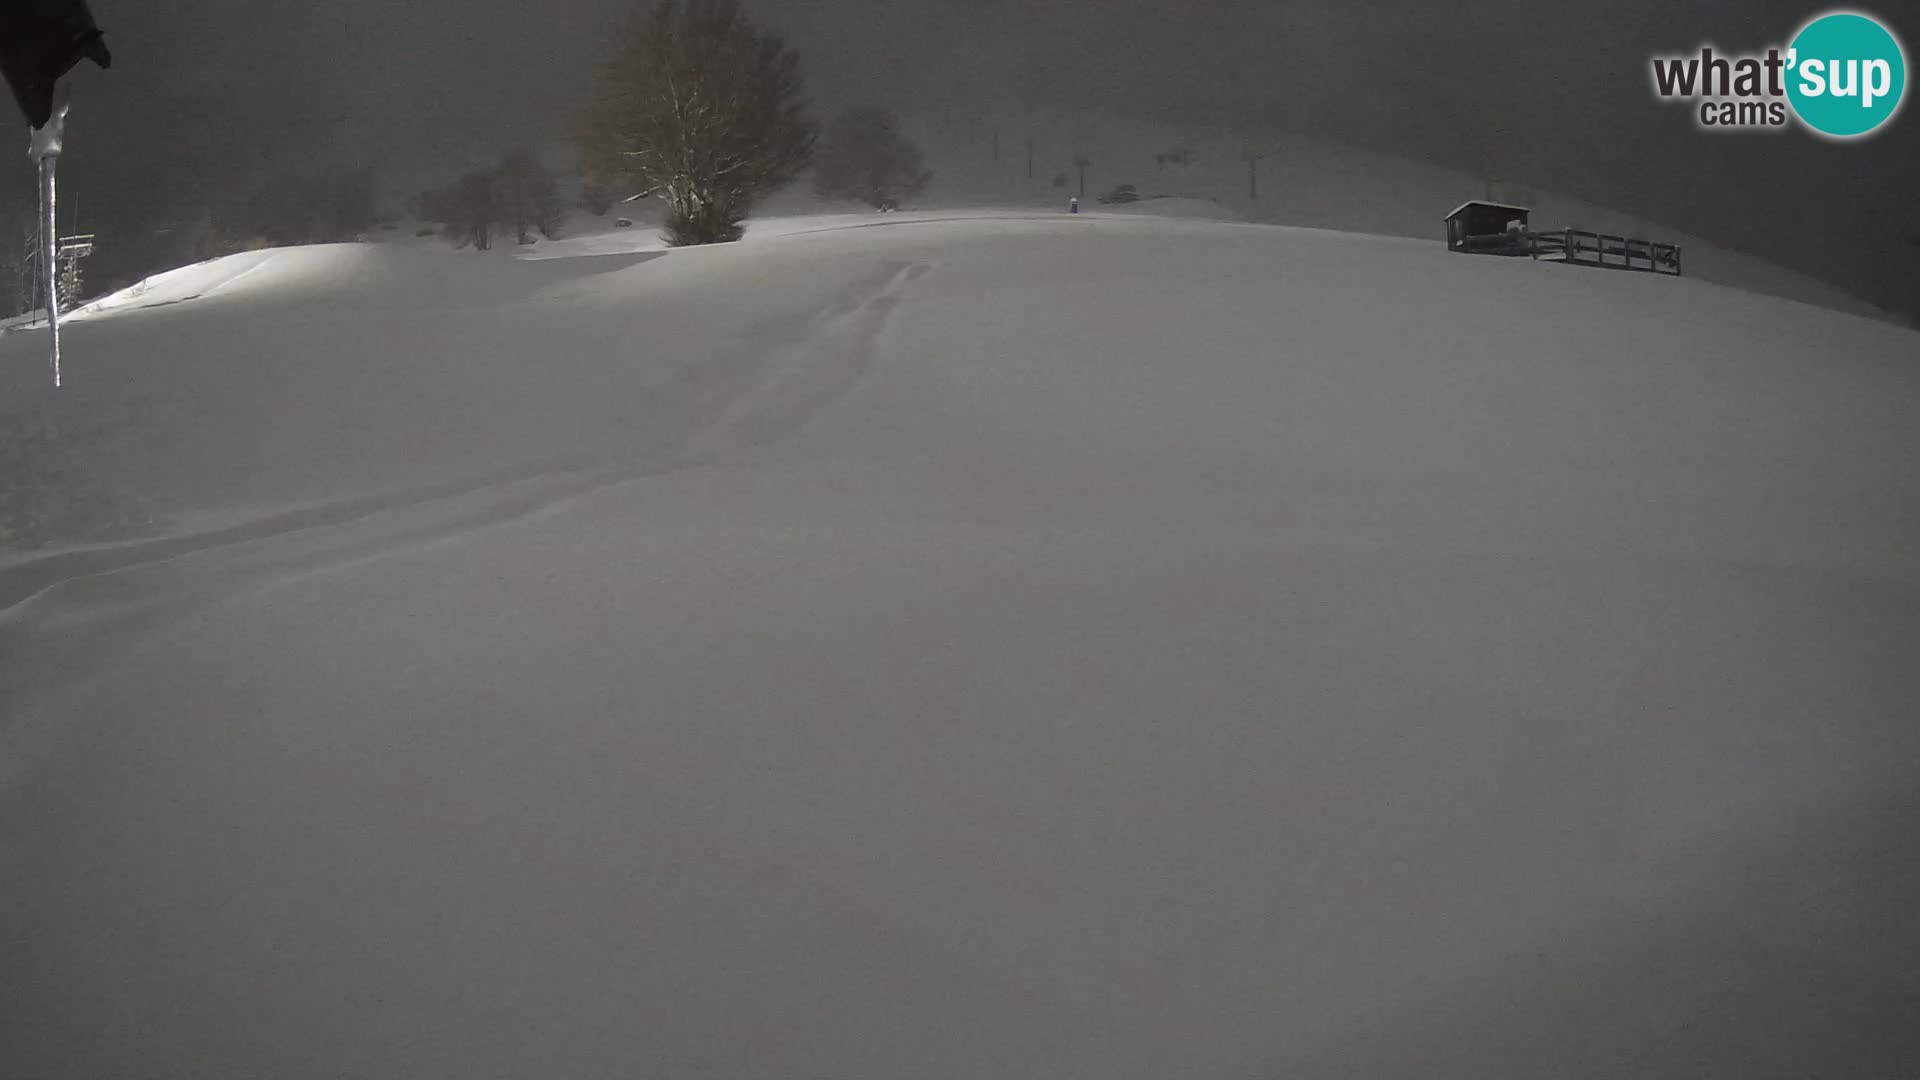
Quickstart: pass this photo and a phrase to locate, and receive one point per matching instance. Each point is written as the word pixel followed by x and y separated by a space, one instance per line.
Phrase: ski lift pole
pixel 46 152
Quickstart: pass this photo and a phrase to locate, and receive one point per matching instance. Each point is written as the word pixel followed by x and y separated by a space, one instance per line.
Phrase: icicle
pixel 46 145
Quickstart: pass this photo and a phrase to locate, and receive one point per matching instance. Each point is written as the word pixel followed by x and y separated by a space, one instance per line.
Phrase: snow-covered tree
pixel 702 110
pixel 863 156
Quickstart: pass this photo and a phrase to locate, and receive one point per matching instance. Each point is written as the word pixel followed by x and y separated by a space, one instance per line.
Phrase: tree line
pixel 517 195
pixel 698 109
pixel 695 108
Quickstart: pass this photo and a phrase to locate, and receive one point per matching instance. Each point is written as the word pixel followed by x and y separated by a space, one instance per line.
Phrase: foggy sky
pixel 1546 95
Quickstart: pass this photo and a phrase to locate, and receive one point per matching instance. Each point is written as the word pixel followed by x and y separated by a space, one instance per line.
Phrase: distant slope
pixel 1301 181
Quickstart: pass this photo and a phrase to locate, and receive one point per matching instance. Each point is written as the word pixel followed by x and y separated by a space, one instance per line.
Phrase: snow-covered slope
pixel 983 161
pixel 1300 181
pixel 998 645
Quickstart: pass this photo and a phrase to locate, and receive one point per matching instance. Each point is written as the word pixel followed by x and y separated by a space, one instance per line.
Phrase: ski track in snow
pixel 78 610
pixel 838 351
pixel 718 409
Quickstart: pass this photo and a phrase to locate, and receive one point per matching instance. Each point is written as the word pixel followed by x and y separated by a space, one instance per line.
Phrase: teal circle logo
pixel 1847 75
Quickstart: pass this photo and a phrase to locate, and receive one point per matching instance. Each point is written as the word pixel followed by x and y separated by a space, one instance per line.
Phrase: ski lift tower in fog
pixel 70 251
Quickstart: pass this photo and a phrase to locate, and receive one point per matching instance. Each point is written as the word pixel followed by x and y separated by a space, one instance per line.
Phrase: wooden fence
pixel 1580 248
pixel 1584 248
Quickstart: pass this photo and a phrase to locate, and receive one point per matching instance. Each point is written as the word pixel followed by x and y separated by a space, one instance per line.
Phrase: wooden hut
pixel 1489 227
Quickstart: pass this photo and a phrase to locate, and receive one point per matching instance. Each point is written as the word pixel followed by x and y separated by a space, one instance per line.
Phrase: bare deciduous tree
pixel 466 210
pixel 703 110
pixel 527 197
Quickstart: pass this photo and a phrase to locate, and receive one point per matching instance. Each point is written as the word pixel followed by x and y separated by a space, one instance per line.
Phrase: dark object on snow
pixel 622 223
pixel 1125 193
pixel 41 40
pixel 1489 228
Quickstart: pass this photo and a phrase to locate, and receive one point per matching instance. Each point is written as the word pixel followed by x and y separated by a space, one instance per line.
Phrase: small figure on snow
pixel 1073 205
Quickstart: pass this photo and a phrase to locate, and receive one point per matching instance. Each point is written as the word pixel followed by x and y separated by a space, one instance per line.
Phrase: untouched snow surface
pixel 1005 646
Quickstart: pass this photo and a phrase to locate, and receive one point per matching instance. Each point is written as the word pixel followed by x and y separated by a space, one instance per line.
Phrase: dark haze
pixel 216 95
